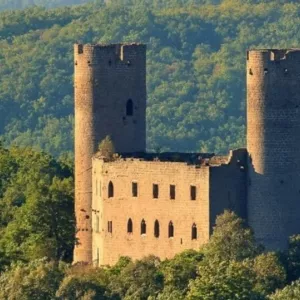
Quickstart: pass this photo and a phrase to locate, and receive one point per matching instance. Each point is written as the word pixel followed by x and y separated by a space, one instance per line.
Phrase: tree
pixel 106 148
pixel 37 280
pixel 231 240
pixel 37 209
pixel 270 273
pixel 84 282
pixel 119 266
pixel 178 271
pixel 290 292
pixel 169 293
pixel 293 258
pixel 224 280
pixel 139 280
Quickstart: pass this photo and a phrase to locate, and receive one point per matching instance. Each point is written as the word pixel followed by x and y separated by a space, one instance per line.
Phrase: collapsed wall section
pixel 228 186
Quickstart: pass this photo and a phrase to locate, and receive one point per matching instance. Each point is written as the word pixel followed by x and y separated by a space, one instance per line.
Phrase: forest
pixel 195 75
pixel 21 4
pixel 196 102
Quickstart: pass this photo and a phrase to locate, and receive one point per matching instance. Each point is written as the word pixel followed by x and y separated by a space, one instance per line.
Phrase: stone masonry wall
pixel 106 78
pixel 228 186
pixel 273 142
pixel 182 211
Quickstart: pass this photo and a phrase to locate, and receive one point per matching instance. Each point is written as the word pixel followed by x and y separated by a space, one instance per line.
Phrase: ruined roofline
pixel 204 159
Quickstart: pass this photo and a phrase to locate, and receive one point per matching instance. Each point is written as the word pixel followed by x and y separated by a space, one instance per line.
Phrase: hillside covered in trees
pixel 21 4
pixel 196 66
pixel 196 101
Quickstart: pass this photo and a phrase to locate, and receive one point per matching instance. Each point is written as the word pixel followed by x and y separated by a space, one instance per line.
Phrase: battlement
pixel 114 52
pixel 274 54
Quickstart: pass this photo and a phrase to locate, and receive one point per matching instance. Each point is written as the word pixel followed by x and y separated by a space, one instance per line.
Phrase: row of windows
pixel 266 71
pixel 155 190
pixel 143 228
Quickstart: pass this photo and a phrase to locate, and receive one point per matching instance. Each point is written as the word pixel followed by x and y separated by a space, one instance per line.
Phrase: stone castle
pixel 146 203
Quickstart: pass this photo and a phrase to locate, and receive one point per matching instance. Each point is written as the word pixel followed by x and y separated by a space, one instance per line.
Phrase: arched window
pixel 129 226
pixel 110 190
pixel 171 229
pixel 156 229
pixel 194 232
pixel 143 227
pixel 129 108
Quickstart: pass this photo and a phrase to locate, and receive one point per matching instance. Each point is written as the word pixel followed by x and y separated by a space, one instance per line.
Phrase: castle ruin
pixel 163 203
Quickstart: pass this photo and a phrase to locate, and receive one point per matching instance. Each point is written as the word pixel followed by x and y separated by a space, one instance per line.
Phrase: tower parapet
pixel 110 99
pixel 273 141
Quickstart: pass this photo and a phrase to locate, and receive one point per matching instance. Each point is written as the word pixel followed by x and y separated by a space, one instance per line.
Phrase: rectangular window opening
pixel 109 226
pixel 172 192
pixel 134 189
pixel 155 191
pixel 97 224
pixel 193 192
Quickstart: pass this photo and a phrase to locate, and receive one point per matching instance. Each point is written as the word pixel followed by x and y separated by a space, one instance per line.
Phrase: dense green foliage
pixel 20 4
pixel 196 66
pixel 36 207
pixel 202 274
pixel 290 292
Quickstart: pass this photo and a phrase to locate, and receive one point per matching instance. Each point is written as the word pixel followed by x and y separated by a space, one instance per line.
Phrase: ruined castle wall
pixel 273 141
pixel 182 211
pixel 228 186
pixel 107 77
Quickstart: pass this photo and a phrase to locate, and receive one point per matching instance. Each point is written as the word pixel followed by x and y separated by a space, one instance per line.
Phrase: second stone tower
pixel 273 143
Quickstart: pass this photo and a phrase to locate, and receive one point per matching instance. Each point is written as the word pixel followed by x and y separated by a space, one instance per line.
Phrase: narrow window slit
pixel 134 189
pixel 194 232
pixel 172 192
pixel 171 230
pixel 156 229
pixel 155 191
pixel 129 226
pixel 143 227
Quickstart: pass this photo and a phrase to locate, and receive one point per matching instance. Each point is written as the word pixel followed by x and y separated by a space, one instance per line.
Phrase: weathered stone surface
pixel 273 141
pixel 261 183
pixel 218 186
pixel 106 78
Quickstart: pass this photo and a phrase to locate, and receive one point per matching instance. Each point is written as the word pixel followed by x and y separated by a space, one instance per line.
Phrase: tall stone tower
pixel 273 142
pixel 110 99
